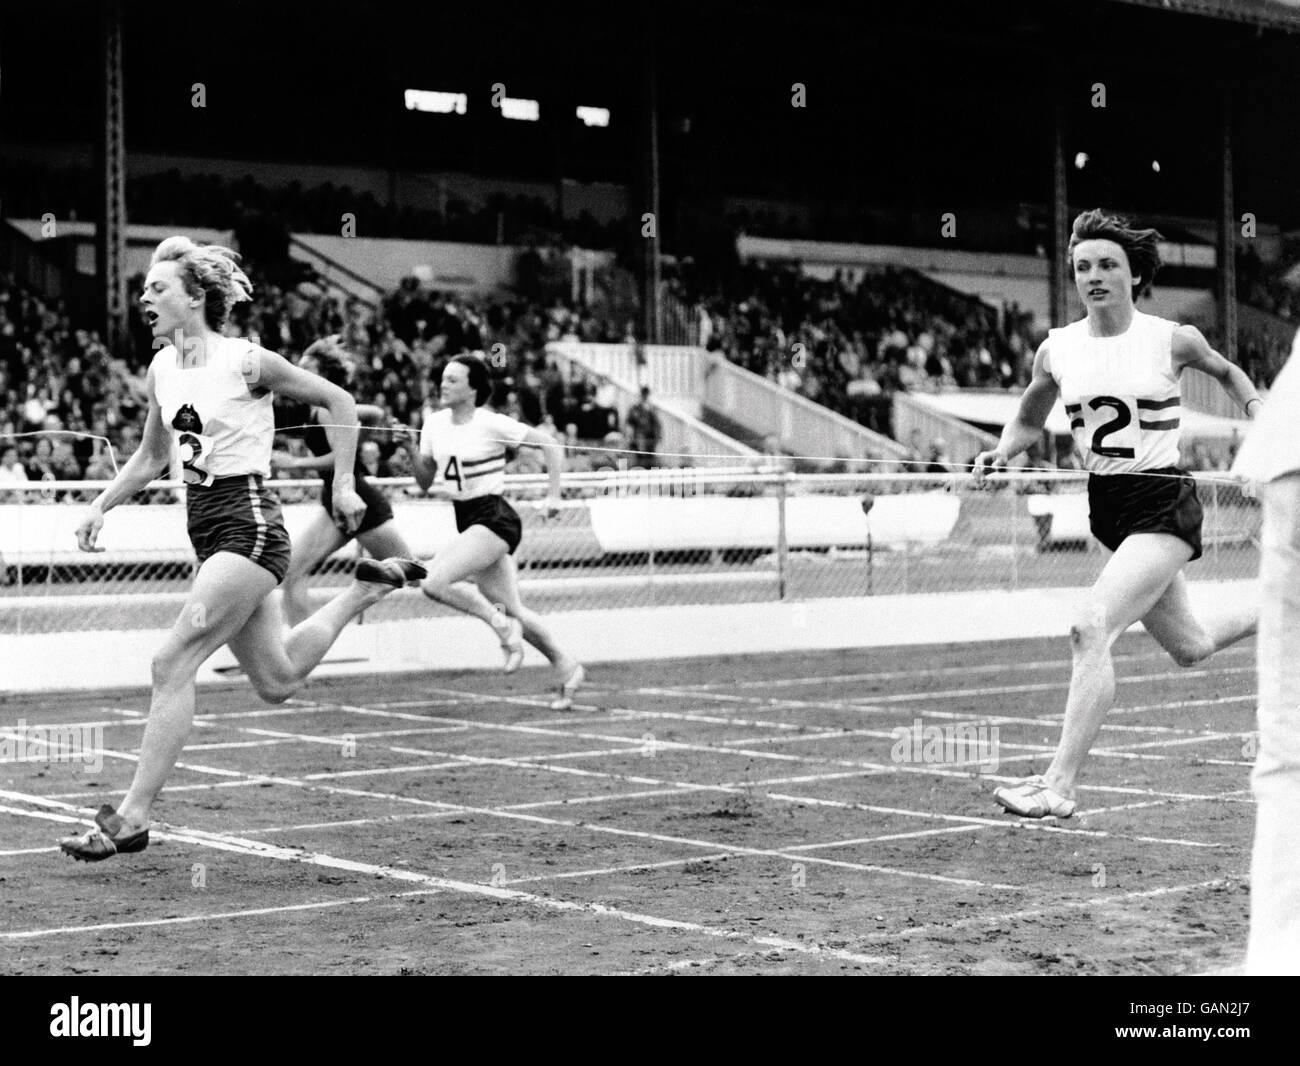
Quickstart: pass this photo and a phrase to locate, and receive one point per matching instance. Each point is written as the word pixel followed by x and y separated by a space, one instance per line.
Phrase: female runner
pixel 1117 370
pixel 378 533
pixel 210 396
pixel 464 447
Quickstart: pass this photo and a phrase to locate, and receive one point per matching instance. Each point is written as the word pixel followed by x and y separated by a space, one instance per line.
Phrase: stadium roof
pixel 1276 14
pixel 910 105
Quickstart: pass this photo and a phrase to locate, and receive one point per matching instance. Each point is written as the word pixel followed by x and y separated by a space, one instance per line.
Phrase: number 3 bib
pixel 192 445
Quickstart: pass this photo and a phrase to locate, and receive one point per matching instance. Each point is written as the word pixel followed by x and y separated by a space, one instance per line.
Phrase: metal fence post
pixel 782 549
pixel 1217 525
pixel 654 490
pixel 1016 499
pixel 22 590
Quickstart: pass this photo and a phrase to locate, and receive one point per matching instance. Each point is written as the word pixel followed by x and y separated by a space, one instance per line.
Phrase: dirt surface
pixel 742 815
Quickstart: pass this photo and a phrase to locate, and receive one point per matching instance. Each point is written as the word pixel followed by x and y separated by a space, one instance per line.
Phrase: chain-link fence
pixel 637 538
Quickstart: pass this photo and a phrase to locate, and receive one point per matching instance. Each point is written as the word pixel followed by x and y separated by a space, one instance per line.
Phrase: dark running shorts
pixel 494 513
pixel 236 514
pixel 1123 504
pixel 378 509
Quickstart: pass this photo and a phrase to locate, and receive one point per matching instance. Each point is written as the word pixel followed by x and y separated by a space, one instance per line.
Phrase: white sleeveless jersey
pixel 1272 446
pixel 470 458
pixel 218 425
pixel 1121 393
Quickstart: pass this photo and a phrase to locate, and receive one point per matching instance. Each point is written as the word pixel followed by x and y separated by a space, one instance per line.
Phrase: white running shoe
pixel 567 690
pixel 1032 798
pixel 512 643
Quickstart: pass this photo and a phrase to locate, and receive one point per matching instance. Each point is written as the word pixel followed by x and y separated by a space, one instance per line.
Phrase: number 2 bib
pixel 1106 425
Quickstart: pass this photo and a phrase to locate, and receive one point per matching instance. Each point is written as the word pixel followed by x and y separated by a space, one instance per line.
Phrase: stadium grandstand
pixel 771 277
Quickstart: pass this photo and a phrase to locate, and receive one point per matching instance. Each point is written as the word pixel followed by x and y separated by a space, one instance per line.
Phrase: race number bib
pixel 1106 426
pixel 194 449
pixel 451 473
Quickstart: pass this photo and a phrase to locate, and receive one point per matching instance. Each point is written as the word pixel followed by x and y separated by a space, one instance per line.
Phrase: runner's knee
pixel 178 660
pixel 274 689
pixel 170 667
pixel 1191 649
pixel 1088 626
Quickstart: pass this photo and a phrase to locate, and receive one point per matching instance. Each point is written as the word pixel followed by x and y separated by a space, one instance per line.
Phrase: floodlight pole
pixel 110 220
pixel 1227 242
pixel 650 248
pixel 1057 279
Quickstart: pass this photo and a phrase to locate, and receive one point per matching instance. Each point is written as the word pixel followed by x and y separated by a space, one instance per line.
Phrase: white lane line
pixel 263 850
pixel 474 698
pixel 1242 796
pixel 777 853
pixel 832 732
pixel 882 700
pixel 219 916
pixel 1062 663
pixel 453 760
pixel 1178 705
pixel 384 819
pixel 639 745
pixel 1130 751
pixel 1005 746
pixel 914 835
pixel 273 737
pixel 713 719
pixel 105 793
pixel 956 716
pixel 636 867
pixel 995 821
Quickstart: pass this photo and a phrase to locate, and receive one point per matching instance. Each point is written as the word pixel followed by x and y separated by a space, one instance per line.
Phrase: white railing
pixel 963 440
pixel 670 371
pixel 698 378
pixel 684 441
pixel 679 322
pixel 798 424
pixel 335 277
pixel 1200 392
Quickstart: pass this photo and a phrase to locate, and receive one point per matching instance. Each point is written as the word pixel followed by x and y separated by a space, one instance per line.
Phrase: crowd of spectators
pixel 851 343
pixel 401 347
pixel 64 398
pixel 1267 286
